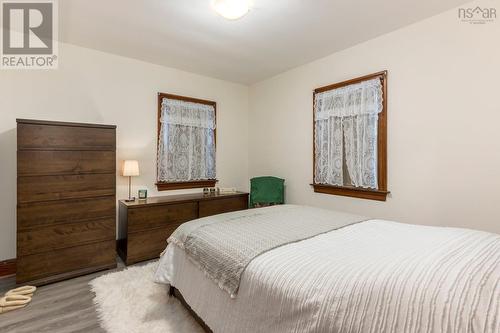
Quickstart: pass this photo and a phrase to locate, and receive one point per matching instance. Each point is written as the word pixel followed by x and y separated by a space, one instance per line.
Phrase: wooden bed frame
pixel 177 294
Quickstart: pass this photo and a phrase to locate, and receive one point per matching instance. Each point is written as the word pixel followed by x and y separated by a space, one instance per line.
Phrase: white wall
pixel 96 87
pixel 443 123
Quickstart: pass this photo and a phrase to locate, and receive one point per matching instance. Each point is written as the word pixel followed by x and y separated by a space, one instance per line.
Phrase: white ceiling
pixel 274 36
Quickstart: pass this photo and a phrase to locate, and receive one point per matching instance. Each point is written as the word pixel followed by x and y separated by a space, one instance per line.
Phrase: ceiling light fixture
pixel 231 9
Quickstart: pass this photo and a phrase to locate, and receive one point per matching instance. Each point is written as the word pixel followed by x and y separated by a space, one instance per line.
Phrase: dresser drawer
pixel 89 257
pixel 53 137
pixel 148 244
pixel 37 163
pixel 53 212
pixel 224 205
pixel 49 238
pixel 46 188
pixel 147 218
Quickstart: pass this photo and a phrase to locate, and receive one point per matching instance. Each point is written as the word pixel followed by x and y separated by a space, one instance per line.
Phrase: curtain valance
pixel 353 100
pixel 177 112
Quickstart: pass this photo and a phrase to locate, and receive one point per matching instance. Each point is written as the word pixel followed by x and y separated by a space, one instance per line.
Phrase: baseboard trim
pixel 7 267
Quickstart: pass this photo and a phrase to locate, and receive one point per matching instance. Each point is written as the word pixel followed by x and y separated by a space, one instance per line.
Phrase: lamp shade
pixel 130 168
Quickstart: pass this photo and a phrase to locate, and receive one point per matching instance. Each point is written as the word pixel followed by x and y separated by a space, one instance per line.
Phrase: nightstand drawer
pixel 159 216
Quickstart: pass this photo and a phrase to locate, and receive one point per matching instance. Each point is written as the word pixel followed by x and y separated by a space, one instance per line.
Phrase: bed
pixel 366 275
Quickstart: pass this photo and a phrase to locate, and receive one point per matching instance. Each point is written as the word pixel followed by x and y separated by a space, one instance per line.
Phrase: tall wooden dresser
pixel 66 200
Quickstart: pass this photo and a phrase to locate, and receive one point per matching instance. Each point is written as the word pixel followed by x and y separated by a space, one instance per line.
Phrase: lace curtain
pixel 186 147
pixel 346 122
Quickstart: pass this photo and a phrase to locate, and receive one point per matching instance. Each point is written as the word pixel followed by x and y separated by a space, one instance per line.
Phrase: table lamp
pixel 130 168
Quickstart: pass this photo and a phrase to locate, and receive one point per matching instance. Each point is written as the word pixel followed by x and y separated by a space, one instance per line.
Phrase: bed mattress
pixel 375 276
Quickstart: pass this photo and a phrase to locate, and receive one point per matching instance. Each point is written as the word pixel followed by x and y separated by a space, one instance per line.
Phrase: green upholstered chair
pixel 266 191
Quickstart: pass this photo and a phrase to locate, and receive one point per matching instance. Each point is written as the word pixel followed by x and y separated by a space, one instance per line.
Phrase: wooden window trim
pixel 166 186
pixel 355 192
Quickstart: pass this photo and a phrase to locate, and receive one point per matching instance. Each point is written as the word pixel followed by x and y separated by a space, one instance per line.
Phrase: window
pixel 350 138
pixel 186 142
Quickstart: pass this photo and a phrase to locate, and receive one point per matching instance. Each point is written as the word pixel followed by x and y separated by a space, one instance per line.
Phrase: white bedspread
pixel 375 276
pixel 223 245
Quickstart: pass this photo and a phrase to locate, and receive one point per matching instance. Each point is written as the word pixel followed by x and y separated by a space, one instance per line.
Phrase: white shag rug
pixel 130 301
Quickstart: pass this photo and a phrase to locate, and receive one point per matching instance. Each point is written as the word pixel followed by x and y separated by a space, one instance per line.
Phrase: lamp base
pixel 130 200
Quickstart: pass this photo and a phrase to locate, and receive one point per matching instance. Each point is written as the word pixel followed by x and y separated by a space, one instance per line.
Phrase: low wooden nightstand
pixel 145 225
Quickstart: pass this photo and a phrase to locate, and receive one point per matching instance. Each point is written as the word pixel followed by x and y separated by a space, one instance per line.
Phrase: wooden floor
pixel 57 308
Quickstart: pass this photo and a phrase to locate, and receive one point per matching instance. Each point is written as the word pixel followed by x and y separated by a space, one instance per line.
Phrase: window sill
pixel 352 192
pixel 186 185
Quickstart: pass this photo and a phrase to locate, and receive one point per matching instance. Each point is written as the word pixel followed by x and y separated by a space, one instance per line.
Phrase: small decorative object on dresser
pixel 66 204
pixel 144 226
pixel 130 168
pixel 226 190
pixel 143 194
